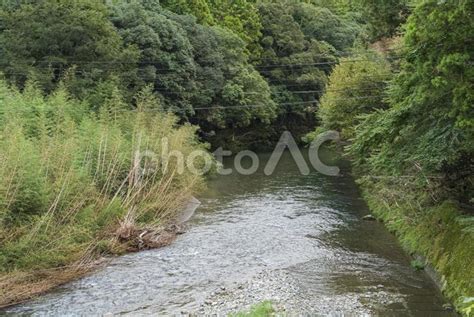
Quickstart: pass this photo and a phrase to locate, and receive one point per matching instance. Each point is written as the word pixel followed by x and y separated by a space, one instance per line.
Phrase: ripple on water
pixel 296 240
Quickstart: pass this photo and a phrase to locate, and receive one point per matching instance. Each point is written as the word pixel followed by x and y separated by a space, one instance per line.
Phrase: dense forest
pixel 231 68
pixel 84 84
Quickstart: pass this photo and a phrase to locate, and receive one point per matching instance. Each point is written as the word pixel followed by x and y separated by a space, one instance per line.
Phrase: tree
pixel 166 54
pixel 231 91
pixel 47 39
pixel 429 126
pixel 356 87
pixel 199 71
pixel 239 16
pixel 198 8
pixel 384 16
pixel 341 7
pixel 298 54
pixel 322 24
pixel 242 18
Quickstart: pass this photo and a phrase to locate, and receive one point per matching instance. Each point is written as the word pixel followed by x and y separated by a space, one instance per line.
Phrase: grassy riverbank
pixel 411 142
pixel 439 231
pixel 75 184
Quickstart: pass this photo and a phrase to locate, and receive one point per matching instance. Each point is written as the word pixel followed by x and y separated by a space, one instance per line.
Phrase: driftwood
pixel 137 239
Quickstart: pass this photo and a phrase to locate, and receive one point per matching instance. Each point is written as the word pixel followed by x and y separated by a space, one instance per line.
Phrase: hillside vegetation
pixel 241 68
pixel 86 85
pixel 412 141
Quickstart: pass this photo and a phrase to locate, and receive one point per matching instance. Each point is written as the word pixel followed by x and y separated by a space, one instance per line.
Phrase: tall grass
pixel 71 178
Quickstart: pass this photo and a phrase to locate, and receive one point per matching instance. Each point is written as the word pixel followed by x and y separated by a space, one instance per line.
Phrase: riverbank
pixel 19 286
pixel 76 185
pixel 411 139
pixel 296 240
pixel 438 231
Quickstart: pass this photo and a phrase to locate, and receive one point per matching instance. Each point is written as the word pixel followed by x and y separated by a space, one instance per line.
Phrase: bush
pixel 356 87
pixel 428 130
pixel 69 177
pixel 51 38
pixel 263 309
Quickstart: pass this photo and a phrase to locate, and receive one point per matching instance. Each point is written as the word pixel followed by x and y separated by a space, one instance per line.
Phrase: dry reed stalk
pixel 56 153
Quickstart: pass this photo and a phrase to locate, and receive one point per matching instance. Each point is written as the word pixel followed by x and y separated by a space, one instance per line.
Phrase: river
pixel 299 241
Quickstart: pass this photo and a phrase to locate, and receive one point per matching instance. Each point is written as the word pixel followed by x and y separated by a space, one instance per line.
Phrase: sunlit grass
pixel 262 309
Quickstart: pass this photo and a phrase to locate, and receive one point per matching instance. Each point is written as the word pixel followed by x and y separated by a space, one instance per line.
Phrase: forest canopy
pixel 85 85
pixel 220 64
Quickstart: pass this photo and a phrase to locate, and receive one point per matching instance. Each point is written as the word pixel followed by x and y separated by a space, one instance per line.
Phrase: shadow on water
pixel 303 233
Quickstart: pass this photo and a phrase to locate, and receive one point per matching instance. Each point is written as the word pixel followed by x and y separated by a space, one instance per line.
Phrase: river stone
pixel 369 218
pixel 448 307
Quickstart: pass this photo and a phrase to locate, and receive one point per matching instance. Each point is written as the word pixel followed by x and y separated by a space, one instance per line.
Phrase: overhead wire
pixel 258 67
pixel 296 103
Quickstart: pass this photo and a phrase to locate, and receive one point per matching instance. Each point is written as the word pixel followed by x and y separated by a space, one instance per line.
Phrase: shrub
pixel 69 177
pixel 356 87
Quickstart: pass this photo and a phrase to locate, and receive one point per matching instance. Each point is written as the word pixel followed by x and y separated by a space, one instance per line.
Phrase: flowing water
pixel 296 240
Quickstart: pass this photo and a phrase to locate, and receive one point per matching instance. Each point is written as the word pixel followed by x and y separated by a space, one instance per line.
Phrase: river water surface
pixel 296 240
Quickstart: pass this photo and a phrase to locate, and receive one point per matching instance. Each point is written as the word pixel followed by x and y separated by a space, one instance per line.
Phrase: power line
pixel 286 103
pixel 273 83
pixel 256 106
pixel 152 63
pixel 270 82
pixel 142 76
pixel 354 89
pixel 318 64
pixel 296 103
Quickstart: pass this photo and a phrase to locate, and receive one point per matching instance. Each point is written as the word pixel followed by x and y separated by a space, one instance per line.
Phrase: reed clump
pixel 73 179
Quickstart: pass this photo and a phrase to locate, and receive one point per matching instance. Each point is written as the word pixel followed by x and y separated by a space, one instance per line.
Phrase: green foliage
pixel 414 149
pixel 57 39
pixel 276 33
pixel 199 60
pixel 356 87
pixel 384 16
pixel 166 55
pixel 468 306
pixel 338 6
pixel 437 232
pixel 193 66
pixel 240 17
pixel 226 80
pixel 429 127
pixel 417 265
pixel 198 8
pixel 264 309
pixel 69 177
pixel 322 24
pixel 300 45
